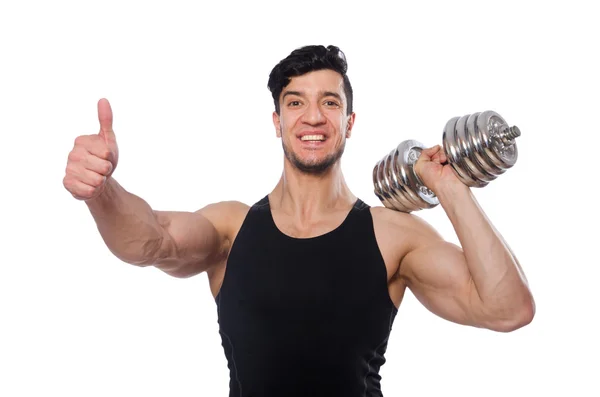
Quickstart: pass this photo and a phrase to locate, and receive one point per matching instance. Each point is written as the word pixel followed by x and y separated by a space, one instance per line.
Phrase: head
pixel 313 107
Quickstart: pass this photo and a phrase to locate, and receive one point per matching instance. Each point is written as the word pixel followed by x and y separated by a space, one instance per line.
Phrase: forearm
pixel 127 224
pixel 495 271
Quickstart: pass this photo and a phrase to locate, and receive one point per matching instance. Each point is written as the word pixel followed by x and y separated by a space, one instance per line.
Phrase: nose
pixel 313 115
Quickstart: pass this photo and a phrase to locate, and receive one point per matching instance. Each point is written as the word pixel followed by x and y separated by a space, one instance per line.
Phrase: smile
pixel 313 138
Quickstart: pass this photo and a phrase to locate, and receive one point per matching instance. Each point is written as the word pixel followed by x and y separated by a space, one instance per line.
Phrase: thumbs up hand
pixel 93 159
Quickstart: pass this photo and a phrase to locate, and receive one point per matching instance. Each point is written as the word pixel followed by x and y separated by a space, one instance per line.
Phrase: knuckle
pixel 90 191
pixel 96 179
pixel 107 167
pixel 81 140
pixel 74 156
pixel 86 191
pixel 99 180
pixel 105 152
pixel 70 169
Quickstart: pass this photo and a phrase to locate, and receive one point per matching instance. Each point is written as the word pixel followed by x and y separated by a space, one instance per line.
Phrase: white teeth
pixel 313 138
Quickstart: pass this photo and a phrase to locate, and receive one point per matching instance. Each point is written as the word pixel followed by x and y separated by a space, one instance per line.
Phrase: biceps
pixel 188 238
pixel 439 278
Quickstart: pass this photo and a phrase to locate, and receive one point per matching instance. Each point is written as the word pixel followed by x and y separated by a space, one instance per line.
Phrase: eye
pixel 331 103
pixel 294 103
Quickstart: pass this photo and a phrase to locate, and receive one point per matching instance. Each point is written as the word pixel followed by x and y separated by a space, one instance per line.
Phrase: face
pixel 313 124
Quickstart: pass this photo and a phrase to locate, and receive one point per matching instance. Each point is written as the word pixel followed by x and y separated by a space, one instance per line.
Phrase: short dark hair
pixel 308 59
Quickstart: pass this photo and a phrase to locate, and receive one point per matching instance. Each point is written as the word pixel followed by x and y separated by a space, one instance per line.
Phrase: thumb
pixel 428 153
pixel 105 117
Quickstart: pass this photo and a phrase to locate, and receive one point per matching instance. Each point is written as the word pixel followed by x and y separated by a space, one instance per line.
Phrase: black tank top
pixel 305 317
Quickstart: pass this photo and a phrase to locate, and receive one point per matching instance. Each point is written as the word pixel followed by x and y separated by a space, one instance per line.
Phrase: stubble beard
pixel 313 167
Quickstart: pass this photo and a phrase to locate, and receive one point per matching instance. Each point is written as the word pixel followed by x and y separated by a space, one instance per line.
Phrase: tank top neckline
pixel 266 204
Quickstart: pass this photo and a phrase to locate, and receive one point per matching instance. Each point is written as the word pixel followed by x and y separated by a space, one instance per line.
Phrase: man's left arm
pixel 482 283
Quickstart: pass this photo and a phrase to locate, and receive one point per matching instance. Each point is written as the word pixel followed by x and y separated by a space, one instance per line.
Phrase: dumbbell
pixel 479 147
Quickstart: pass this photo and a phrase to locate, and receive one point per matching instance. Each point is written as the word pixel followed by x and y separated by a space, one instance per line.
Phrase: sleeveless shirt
pixel 305 317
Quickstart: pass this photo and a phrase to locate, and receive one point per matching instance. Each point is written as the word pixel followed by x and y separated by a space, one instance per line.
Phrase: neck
pixel 307 195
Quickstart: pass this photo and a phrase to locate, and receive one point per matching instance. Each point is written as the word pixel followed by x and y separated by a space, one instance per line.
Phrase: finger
pixel 80 190
pixel 100 150
pixel 97 165
pixel 105 117
pixel 438 154
pixel 79 173
pixel 94 144
pixel 428 153
pixel 443 157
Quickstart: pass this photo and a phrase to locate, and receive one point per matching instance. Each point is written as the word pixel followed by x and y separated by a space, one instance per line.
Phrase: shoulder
pixel 401 235
pixel 226 216
pixel 225 208
pixel 407 226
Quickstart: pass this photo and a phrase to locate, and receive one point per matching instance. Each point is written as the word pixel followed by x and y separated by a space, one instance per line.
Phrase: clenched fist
pixel 93 158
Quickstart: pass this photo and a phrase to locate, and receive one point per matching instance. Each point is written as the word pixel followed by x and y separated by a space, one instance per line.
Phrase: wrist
pixel 452 193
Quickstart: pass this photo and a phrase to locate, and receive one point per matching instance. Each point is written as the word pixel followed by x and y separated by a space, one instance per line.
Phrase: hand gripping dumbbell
pixel 479 147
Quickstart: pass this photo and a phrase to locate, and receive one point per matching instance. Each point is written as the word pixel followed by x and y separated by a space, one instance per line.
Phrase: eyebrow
pixel 324 93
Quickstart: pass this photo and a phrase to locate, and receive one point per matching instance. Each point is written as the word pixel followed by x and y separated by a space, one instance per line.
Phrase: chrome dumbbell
pixel 479 147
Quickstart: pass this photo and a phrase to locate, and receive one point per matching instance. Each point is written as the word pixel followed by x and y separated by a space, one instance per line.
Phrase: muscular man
pixel 308 279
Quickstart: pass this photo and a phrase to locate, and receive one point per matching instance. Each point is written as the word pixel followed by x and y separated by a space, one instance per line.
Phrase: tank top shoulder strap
pixel 261 205
pixel 256 217
pixel 360 205
pixel 360 221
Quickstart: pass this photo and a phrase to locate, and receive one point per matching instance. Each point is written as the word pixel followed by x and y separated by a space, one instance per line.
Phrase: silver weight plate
pixel 487 166
pixel 400 187
pixel 381 186
pixel 453 152
pixel 475 177
pixel 412 151
pixel 502 155
pixel 393 182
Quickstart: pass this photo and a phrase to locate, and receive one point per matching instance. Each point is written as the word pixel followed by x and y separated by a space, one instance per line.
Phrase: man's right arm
pixel 181 244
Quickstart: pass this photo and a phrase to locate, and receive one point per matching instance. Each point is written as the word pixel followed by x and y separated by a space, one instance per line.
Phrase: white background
pixel 187 83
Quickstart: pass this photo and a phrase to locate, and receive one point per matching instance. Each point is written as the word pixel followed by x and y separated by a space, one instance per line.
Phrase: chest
pixel 308 280
pixel 309 271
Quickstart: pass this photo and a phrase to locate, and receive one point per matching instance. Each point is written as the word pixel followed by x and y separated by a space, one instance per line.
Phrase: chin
pixel 314 166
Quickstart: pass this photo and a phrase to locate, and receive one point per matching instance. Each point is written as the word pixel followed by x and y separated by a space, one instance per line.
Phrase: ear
pixel 277 124
pixel 350 125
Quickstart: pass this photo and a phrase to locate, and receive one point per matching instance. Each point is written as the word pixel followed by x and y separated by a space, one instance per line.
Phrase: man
pixel 308 279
